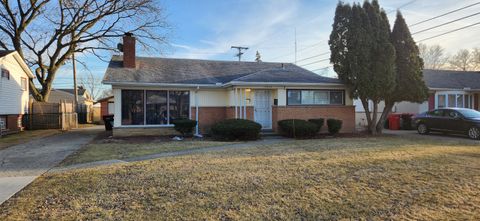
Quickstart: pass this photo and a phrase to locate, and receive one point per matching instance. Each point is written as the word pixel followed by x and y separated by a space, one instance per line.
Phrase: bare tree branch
pixel 46 33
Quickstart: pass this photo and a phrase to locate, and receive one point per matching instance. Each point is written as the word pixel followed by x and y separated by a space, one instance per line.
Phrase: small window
pixel 452 100
pixel 315 97
pixel 5 74
pixel 24 83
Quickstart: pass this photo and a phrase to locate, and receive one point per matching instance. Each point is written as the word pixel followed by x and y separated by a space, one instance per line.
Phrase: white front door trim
pixel 263 108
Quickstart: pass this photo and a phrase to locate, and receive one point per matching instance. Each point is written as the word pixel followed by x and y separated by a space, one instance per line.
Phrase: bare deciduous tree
pixel 433 56
pixel 462 60
pixel 46 33
pixel 92 85
pixel 476 59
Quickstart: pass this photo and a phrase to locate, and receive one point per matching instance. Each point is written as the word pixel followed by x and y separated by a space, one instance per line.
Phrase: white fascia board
pixel 135 84
pixel 453 89
pixel 22 64
pixel 280 84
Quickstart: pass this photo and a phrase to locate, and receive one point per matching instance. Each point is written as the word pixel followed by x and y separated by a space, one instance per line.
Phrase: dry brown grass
pixel 25 136
pixel 370 178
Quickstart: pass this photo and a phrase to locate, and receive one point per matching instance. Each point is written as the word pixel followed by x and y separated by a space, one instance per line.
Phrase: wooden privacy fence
pixel 50 116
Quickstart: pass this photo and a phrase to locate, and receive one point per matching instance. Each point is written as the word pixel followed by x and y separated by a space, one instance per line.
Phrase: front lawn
pixel 25 136
pixel 367 178
pixel 108 151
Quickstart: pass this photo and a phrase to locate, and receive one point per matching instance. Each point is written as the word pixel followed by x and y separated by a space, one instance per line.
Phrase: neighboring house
pixel 60 95
pixel 107 106
pixel 446 89
pixel 85 102
pixel 150 92
pixel 14 90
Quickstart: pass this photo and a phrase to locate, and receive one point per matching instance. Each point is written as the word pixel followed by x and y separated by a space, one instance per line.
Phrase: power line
pixel 240 53
pixel 308 58
pixel 446 23
pixel 402 6
pixel 326 59
pixel 448 32
pixel 447 13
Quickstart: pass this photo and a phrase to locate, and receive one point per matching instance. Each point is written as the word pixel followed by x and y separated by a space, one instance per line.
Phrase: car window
pixel 436 113
pixel 453 114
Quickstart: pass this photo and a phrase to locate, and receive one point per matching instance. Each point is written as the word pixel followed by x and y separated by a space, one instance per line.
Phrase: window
pixel 455 100
pixel 436 113
pixel 23 82
pixel 3 122
pixel 5 74
pixel 441 101
pixel 157 107
pixel 315 97
pixel 132 107
pixel 154 107
pixel 179 104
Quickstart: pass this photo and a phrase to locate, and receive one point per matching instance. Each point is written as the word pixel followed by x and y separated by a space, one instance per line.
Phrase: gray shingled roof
pixel 451 79
pixel 190 71
pixel 80 91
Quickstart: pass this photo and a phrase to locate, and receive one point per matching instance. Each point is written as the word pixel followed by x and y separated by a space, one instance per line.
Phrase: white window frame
pixel 471 98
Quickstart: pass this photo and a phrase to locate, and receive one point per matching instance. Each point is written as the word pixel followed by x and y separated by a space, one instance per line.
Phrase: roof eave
pixel 454 89
pixel 144 84
pixel 240 83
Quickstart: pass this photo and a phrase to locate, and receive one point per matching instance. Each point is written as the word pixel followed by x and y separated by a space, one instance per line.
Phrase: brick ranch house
pixel 150 92
pixel 14 91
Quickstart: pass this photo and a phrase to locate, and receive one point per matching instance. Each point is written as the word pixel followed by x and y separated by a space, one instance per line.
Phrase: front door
pixel 263 108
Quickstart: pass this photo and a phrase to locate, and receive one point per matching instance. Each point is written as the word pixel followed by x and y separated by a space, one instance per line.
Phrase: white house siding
pixel 13 100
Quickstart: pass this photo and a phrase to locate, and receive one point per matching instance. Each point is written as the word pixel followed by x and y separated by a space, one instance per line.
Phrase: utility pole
pixel 75 89
pixel 240 53
pixel 295 45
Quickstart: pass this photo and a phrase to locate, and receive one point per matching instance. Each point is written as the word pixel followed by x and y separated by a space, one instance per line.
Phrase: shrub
pixel 184 126
pixel 319 122
pixel 236 129
pixel 297 128
pixel 334 126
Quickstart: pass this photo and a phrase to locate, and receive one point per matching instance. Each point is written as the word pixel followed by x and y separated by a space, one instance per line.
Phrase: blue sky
pixel 206 29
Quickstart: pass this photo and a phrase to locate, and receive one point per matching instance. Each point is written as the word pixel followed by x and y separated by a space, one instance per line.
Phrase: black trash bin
pixel 108 119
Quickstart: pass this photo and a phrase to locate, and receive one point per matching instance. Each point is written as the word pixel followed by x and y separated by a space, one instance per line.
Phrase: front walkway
pixel 266 141
pixel 21 164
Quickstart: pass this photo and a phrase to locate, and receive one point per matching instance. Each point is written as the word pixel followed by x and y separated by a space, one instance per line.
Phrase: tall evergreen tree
pixel 409 66
pixel 362 54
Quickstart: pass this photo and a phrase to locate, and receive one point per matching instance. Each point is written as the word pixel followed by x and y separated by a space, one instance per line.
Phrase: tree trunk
pixel 386 111
pixel 372 126
pixel 370 121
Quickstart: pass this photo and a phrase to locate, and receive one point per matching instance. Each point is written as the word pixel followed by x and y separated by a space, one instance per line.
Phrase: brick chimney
pixel 128 50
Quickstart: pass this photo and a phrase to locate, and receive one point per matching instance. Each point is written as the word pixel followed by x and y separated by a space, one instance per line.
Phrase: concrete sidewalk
pixel 267 141
pixel 21 164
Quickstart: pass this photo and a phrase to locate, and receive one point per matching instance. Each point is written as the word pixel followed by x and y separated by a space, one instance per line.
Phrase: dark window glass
pixel 436 113
pixel 179 102
pixel 156 112
pixel 294 97
pixel 336 97
pixel 132 107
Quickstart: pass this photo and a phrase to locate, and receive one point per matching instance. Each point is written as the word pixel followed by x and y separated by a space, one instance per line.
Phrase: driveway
pixel 413 134
pixel 21 164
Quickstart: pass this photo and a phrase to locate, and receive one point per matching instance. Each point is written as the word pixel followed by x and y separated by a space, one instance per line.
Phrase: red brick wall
pixel 207 116
pixel 128 51
pixel 231 112
pixel 104 108
pixel 211 115
pixel 431 102
pixel 12 123
pixel 344 113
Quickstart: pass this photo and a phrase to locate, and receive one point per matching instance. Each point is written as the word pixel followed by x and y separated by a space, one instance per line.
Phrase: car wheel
pixel 422 129
pixel 474 133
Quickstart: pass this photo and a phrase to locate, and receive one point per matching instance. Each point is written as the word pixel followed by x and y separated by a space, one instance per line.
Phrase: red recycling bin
pixel 394 122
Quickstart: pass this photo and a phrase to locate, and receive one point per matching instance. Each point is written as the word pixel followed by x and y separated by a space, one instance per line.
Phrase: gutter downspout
pixel 197 133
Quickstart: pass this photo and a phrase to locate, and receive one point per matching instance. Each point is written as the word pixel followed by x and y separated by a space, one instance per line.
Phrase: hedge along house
pixel 149 93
